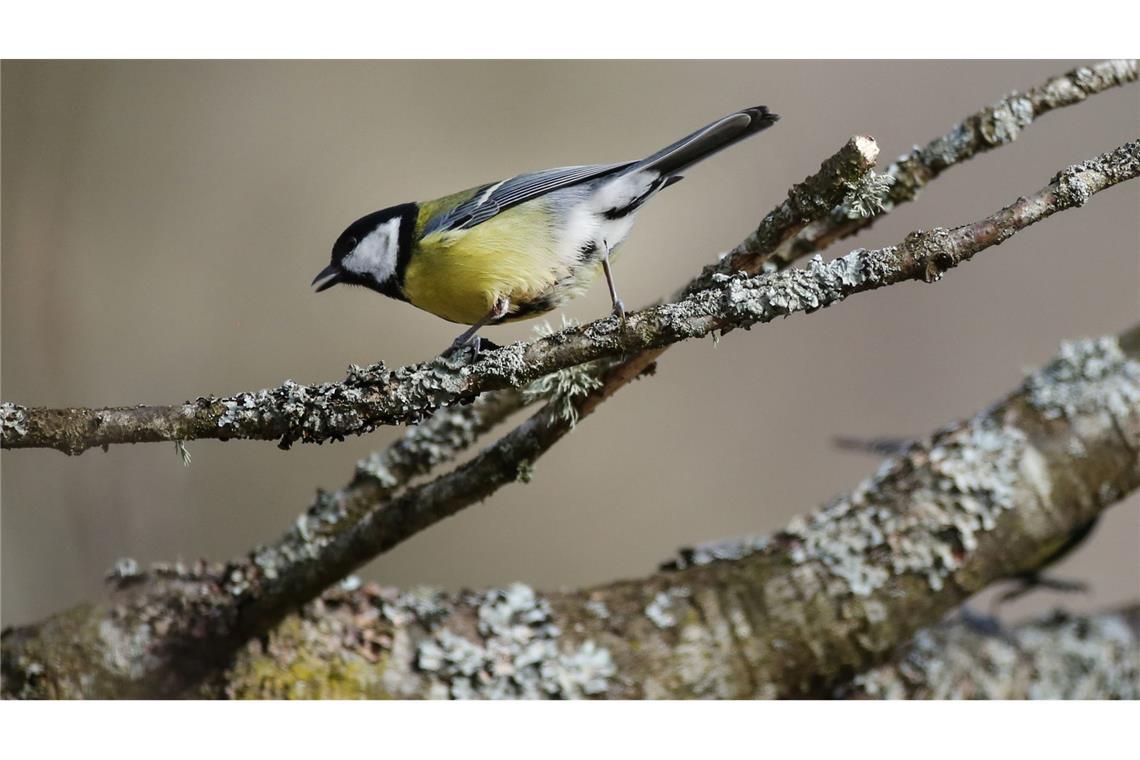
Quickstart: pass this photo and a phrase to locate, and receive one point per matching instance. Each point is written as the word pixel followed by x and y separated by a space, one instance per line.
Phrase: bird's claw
pixel 619 310
pixel 460 345
pixel 476 343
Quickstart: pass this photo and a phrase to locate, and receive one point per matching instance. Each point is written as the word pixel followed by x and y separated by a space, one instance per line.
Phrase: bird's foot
pixel 461 345
pixel 619 310
pixel 476 344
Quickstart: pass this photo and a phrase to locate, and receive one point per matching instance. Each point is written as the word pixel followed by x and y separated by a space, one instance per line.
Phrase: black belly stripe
pixel 535 306
pixel 587 252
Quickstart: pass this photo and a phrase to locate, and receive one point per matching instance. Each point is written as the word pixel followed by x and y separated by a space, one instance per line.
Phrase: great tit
pixel 520 247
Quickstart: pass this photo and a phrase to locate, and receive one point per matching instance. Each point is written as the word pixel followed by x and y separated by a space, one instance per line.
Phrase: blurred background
pixel 161 223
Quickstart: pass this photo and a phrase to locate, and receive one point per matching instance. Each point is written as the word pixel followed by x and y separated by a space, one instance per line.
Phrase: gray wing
pixel 495 198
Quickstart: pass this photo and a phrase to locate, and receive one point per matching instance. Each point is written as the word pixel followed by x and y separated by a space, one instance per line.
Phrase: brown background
pixel 161 223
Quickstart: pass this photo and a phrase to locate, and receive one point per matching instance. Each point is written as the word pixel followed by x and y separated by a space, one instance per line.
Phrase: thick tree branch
pixel 798 613
pixel 1058 657
pixel 334 648
pixel 376 396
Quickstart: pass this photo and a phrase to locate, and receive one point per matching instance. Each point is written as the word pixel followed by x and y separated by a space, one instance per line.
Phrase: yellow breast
pixel 459 275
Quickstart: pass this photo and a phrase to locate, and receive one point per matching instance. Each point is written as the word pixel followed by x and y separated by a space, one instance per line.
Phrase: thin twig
pixel 992 127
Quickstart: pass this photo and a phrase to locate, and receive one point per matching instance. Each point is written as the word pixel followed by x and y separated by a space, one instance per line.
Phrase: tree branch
pixel 1058 657
pixel 799 613
pixel 375 396
pixel 989 128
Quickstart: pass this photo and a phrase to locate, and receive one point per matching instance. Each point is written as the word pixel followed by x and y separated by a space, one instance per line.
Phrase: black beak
pixel 328 277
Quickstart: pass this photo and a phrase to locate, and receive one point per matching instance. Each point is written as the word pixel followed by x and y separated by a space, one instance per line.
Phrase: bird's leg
pixel 469 337
pixel 619 307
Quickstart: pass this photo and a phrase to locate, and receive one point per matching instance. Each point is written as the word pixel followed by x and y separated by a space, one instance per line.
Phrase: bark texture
pixel 1058 657
pixel 799 613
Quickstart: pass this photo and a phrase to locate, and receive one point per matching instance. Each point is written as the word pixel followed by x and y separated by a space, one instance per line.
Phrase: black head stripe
pixel 409 213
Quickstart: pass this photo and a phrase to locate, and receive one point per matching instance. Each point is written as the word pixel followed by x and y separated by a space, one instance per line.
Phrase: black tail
pixel 707 141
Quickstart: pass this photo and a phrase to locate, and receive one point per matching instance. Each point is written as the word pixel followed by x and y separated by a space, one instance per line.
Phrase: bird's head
pixel 372 251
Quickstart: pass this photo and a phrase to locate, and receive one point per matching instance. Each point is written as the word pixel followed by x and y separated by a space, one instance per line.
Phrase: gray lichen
pixel 124 572
pixel 1077 183
pixel 561 388
pixel 660 609
pixel 311 413
pixel 435 441
pixel 1003 122
pixel 867 196
pixel 518 653
pixel 1088 375
pixel 13 420
pixel 598 609
pixel 1058 658
pixel 183 453
pixel 524 471
pixel 972 476
pixel 716 551
pixel 749 300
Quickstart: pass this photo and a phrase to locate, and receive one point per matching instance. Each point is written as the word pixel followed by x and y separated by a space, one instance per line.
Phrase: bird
pixel 520 247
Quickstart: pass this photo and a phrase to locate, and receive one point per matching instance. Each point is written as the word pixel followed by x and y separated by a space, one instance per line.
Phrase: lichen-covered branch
pixel 799 613
pixel 841 178
pixel 335 650
pixel 989 128
pixel 1058 657
pixel 376 396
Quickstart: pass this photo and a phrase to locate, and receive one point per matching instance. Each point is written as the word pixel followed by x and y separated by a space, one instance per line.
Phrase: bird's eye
pixel 352 242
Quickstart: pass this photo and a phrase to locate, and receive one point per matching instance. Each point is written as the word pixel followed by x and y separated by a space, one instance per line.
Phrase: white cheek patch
pixel 375 255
